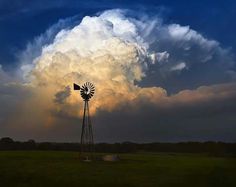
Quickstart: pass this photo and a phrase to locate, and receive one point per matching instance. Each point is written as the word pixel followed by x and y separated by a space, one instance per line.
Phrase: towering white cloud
pixel 106 50
pixel 114 52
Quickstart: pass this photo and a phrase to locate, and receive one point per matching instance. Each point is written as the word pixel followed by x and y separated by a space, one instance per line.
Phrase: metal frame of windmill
pixel 87 91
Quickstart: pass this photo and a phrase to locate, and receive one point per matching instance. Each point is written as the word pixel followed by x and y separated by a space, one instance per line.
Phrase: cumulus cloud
pixel 116 53
pixel 127 59
pixel 105 50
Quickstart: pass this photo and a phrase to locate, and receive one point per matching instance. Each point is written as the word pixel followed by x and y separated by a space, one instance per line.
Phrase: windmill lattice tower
pixel 87 91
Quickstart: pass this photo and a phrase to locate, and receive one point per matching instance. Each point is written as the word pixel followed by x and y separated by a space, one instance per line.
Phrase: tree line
pixel 210 147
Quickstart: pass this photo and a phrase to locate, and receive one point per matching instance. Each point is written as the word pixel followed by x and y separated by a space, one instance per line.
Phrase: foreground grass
pixel 38 168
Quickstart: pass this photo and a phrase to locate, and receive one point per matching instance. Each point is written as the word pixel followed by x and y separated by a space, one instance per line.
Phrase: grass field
pixel 50 168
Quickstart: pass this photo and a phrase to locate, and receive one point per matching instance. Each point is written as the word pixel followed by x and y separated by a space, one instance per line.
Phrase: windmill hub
pixel 87 91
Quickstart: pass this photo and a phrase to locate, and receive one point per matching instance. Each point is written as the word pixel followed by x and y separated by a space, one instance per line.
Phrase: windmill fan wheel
pixel 87 91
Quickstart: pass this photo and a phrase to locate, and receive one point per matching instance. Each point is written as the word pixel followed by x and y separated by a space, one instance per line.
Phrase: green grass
pixel 42 168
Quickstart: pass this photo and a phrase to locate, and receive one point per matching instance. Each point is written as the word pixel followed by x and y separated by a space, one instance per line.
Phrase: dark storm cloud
pixel 61 96
pixel 207 113
pixel 200 115
pixel 12 95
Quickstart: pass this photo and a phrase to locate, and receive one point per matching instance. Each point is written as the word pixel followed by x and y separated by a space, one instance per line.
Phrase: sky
pixel 164 71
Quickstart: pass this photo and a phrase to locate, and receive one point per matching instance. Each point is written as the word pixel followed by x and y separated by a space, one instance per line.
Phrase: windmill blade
pixel 87 90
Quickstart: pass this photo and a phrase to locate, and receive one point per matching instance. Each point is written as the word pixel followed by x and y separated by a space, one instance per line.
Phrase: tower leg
pixel 86 139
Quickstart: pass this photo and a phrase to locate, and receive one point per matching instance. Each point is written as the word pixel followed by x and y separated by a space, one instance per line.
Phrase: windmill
pixel 87 91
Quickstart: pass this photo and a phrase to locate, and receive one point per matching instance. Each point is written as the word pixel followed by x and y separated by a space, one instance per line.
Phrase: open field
pixel 50 168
